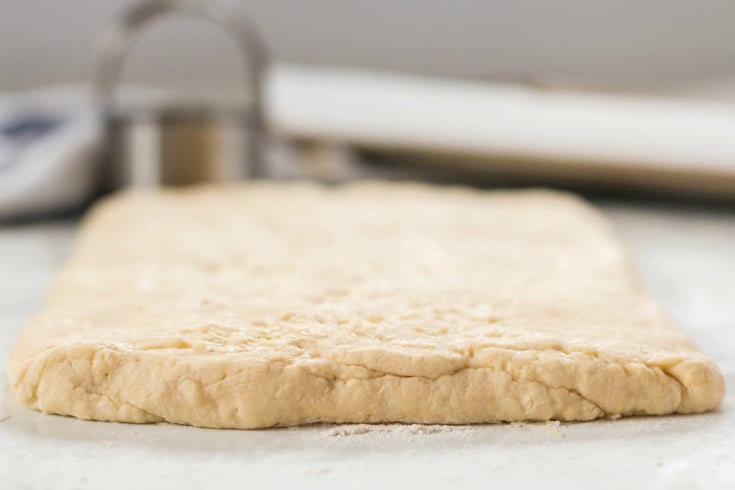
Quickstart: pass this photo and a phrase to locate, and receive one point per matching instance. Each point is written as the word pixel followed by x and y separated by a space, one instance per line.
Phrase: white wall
pixel 614 41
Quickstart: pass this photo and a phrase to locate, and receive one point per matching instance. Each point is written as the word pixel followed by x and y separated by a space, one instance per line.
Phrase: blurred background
pixel 630 44
pixel 624 98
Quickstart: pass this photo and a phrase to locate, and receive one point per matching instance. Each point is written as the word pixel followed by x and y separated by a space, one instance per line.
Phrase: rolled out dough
pixel 264 305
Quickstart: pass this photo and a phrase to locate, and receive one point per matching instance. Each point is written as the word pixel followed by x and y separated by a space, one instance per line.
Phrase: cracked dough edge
pixel 495 385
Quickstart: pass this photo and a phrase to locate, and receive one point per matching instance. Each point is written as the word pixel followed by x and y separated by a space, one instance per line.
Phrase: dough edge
pixel 107 383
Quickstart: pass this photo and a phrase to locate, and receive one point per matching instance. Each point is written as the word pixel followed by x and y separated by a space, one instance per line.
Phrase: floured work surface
pixel 282 304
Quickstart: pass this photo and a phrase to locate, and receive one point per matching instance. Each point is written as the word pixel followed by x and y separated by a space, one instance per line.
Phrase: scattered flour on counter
pixel 404 429
pixel 552 429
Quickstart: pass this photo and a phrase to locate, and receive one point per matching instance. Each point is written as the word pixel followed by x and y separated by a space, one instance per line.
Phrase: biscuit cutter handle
pixel 117 40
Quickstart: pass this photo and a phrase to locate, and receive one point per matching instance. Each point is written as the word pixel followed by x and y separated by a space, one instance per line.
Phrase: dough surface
pixel 267 304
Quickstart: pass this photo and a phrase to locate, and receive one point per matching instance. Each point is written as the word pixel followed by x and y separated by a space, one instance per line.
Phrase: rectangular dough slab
pixel 265 305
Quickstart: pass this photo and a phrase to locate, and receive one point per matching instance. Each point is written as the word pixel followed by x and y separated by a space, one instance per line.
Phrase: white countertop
pixel 687 257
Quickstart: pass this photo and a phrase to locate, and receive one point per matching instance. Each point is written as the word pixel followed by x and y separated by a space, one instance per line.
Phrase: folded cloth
pixel 48 143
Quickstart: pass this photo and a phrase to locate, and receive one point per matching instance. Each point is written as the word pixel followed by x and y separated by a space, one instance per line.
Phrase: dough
pixel 263 305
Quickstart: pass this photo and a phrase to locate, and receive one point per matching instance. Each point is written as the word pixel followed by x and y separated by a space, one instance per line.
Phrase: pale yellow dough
pixel 266 305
